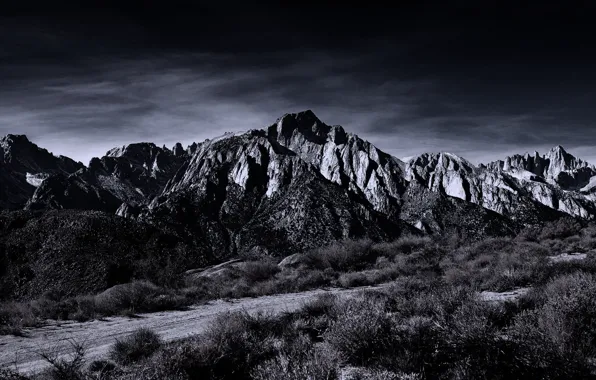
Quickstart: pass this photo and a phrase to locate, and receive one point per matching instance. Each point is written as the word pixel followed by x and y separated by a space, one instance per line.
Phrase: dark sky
pixel 481 79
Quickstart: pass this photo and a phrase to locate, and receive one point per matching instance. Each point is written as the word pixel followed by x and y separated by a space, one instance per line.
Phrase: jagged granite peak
pixel 20 153
pixel 557 167
pixel 253 190
pixel 178 150
pixel 192 148
pixel 515 193
pixel 343 158
pixel 131 174
pixel 24 166
pixel 141 150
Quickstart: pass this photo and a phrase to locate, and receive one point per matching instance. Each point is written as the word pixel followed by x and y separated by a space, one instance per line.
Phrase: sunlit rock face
pixel 343 158
pixel 556 167
pixel 253 189
pixel 504 186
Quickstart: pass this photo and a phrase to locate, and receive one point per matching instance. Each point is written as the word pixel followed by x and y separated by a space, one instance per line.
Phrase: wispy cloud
pixel 83 109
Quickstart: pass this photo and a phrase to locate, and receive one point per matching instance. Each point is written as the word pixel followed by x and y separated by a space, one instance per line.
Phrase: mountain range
pixel 294 185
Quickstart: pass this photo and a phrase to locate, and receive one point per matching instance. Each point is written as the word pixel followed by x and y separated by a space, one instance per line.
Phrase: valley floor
pixel 23 353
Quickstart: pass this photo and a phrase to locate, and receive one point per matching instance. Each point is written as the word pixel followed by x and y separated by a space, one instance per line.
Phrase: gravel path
pixel 23 353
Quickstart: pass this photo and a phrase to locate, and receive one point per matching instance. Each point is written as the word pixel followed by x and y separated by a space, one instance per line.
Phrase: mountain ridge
pixel 292 186
pixel 136 180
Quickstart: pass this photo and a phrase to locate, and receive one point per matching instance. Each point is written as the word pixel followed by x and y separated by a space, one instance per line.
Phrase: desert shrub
pixel 536 357
pixel 348 280
pixel 471 345
pixel 231 348
pixel 342 256
pixel 568 316
pixel 102 367
pixel 354 373
pixel 141 344
pixel 260 270
pixel 323 305
pixel 496 264
pixel 404 246
pixel 66 368
pixel 361 333
pixel 86 309
pixel 314 317
pixel 423 262
pixel 556 338
pixel 560 229
pixel 529 234
pixel 137 297
pixel 543 274
pixel 15 316
pixel 299 359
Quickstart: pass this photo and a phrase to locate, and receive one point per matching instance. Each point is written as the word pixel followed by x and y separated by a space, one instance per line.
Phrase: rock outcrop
pixel 24 166
pixel 132 175
pixel 343 158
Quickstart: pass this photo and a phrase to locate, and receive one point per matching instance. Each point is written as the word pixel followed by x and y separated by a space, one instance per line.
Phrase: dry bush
pixel 403 246
pixel 15 316
pixel 261 270
pixel 362 332
pixel 496 264
pixel 342 256
pixel 70 367
pixel 232 347
pixel 560 229
pixel 299 359
pixel 139 345
pixel 137 297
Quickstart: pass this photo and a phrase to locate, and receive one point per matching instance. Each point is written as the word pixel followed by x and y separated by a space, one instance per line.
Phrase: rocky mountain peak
pixel 11 139
pixel 343 158
pixel 24 166
pixel 557 167
pixel 305 123
pixel 178 150
pixel 431 163
pixel 560 160
pixel 135 150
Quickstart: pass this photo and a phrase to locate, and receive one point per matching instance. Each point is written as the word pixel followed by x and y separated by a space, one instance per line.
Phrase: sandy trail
pixel 23 353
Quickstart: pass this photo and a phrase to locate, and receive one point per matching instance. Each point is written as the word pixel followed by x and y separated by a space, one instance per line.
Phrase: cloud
pixel 85 107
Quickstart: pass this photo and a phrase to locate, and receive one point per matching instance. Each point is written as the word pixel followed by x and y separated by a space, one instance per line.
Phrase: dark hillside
pixel 75 252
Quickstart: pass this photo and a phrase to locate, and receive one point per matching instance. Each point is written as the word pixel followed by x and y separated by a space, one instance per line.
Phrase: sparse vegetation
pixel 428 324
pixel 495 264
pixel 413 330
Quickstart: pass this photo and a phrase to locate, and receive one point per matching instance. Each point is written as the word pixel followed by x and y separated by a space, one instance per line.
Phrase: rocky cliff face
pixel 252 192
pixel 24 166
pixel 343 158
pixel 556 167
pixel 507 190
